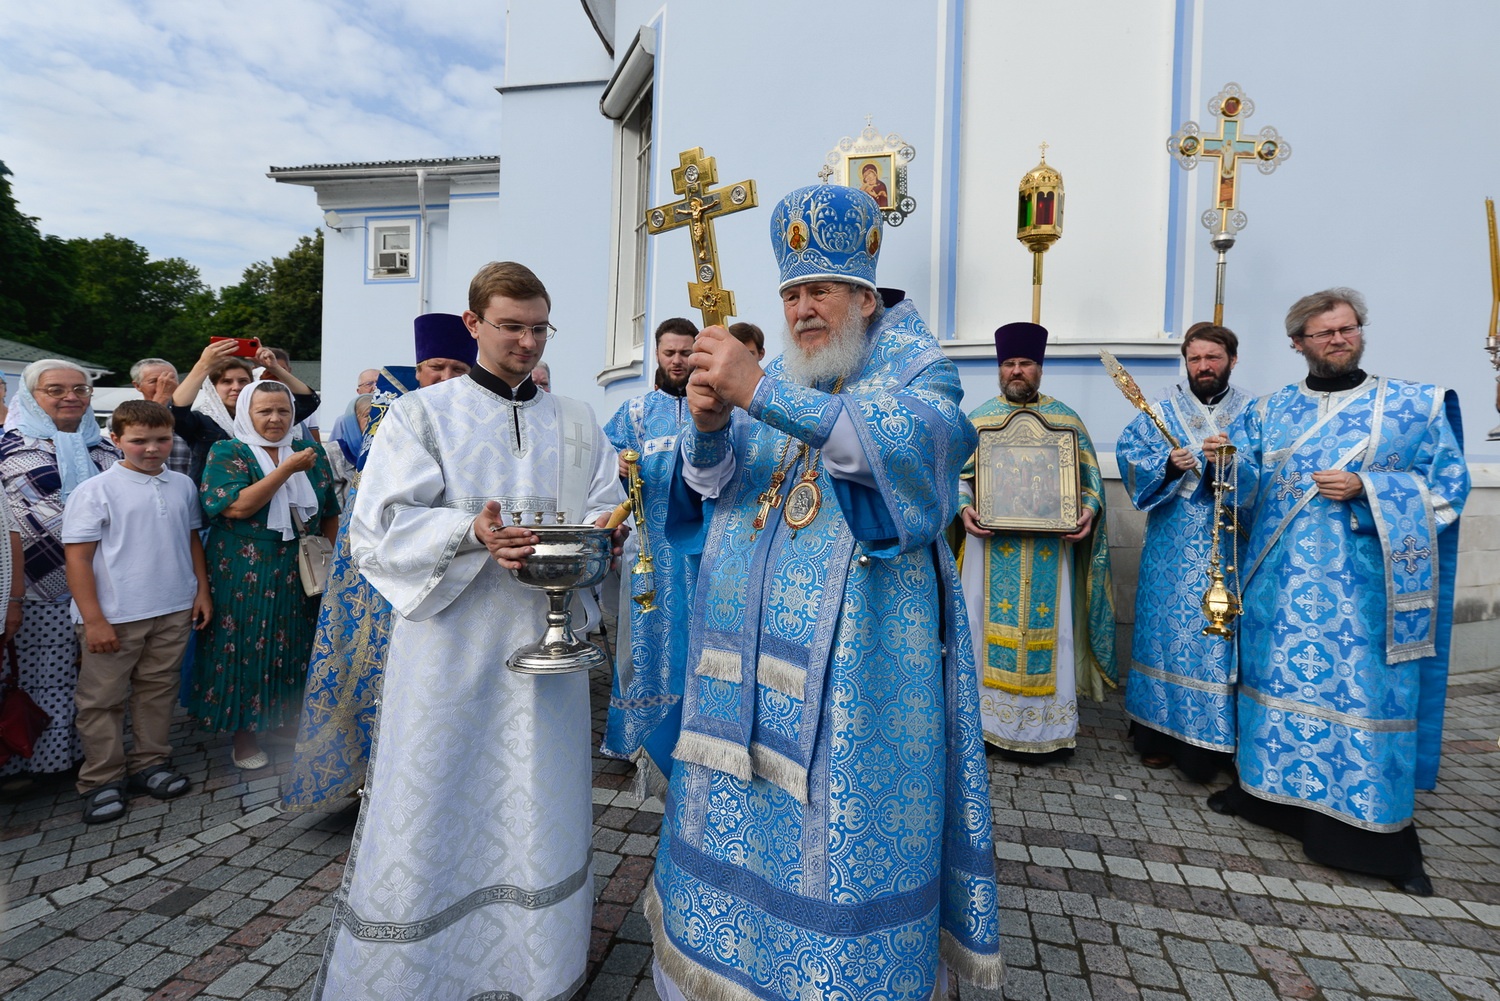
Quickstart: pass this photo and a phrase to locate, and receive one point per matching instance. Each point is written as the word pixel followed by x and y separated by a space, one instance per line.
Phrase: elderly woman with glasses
pixel 53 445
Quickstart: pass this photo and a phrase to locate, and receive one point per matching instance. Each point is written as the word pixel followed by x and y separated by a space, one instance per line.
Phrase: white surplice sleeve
pixel 418 553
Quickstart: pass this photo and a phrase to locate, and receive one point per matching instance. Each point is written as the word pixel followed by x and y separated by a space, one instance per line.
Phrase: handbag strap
pixel 297 522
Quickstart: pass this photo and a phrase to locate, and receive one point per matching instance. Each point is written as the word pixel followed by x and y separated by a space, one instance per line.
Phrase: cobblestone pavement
pixel 1116 882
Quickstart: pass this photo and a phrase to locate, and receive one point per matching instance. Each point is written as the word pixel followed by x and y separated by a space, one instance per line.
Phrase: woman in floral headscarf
pixel 257 488
pixel 53 445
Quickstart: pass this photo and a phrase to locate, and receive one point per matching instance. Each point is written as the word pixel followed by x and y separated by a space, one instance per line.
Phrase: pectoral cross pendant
pixel 769 499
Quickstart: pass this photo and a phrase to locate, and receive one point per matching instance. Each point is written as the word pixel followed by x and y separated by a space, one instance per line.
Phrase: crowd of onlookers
pixel 155 560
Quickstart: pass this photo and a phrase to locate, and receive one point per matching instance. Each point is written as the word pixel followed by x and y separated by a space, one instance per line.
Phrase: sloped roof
pixel 448 165
pixel 16 351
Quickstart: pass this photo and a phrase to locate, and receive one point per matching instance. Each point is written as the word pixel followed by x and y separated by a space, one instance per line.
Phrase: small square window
pixel 391 250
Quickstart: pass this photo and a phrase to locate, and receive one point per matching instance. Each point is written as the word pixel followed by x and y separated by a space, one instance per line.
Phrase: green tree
pixel 280 301
pixel 35 283
pixel 124 304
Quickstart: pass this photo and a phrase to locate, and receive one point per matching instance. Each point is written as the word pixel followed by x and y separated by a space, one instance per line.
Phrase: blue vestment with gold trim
pixel 646 696
pixel 1348 604
pixel 348 656
pixel 1181 681
pixel 827 829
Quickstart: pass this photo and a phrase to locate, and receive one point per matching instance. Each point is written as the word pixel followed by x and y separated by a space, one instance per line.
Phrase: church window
pixel 392 244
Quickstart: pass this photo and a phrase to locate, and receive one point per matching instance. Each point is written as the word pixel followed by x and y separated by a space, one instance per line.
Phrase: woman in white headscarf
pixel 53 445
pixel 257 487
pixel 205 401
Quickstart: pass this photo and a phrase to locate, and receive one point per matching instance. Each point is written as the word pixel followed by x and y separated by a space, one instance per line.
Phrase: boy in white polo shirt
pixel 140 586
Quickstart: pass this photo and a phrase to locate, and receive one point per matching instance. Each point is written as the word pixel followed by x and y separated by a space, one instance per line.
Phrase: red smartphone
pixel 247 346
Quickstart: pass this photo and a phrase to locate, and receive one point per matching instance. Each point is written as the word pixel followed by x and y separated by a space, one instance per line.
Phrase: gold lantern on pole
pixel 1039 220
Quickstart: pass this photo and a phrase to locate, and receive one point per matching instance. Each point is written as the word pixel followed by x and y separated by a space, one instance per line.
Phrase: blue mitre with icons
pixel 826 232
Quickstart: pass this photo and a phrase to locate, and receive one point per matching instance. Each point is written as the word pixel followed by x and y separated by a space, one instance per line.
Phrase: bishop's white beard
pixel 840 356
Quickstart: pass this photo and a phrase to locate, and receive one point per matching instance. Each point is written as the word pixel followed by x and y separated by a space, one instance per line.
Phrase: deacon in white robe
pixel 470 874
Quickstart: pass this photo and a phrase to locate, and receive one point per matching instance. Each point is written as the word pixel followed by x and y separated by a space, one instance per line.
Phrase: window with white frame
pixel 392 249
pixel 632 198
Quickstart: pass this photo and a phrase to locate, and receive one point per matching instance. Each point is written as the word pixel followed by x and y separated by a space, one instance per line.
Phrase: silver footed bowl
pixel 566 557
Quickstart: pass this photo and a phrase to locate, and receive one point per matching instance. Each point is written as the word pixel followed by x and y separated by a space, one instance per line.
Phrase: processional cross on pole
pixel 1267 150
pixel 700 205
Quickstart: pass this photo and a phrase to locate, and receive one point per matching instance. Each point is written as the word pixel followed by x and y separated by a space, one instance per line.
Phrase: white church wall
pixel 554 206
pixel 768 103
pixel 1384 191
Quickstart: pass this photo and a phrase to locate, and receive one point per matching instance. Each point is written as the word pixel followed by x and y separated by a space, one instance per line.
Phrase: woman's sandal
pixel 104 804
pixel 161 781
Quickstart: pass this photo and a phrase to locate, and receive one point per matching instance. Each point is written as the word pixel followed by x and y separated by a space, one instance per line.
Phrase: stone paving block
pixel 1424 985
pixel 1149 971
pixel 1231 957
pixel 33 910
pixel 237 981
pixel 1186 954
pixel 92 956
pixel 1487 913
pixel 1246 989
pixel 1060 961
pixel 1011 851
pixel 1105 988
pixel 279 948
pixel 131 959
pixel 1471 987
pixel 86 987
pixel 610 987
pixel 124 993
pixel 295 972
pixel 1021 984
pixel 158 971
pixel 1204 985
pixel 1378 979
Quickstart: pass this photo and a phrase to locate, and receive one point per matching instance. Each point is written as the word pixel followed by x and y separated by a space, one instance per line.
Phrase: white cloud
pixel 156 119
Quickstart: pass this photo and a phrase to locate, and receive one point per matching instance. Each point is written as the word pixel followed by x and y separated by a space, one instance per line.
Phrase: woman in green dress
pixel 258 487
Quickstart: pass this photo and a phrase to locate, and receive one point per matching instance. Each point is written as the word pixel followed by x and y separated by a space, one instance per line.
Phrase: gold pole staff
pixel 1267 150
pixel 1039 221
pixel 699 206
pixel 1133 393
pixel 1492 343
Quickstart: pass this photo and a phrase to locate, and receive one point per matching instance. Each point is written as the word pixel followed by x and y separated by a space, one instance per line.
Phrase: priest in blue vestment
pixel 1354 484
pixel 354 621
pixel 827 827
pixel 1180 694
pixel 646 695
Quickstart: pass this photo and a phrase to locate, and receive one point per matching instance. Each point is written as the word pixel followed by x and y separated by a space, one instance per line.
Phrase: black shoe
pixel 1219 803
pixel 1418 885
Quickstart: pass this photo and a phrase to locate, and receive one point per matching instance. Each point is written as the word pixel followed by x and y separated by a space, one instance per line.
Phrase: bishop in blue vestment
pixel 827 828
pixel 1354 485
pixel 1180 693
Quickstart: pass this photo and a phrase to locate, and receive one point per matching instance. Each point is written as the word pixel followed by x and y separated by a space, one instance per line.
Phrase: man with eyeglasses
pixel 653 644
pixel 470 875
pixel 827 827
pixel 1180 693
pixel 1351 485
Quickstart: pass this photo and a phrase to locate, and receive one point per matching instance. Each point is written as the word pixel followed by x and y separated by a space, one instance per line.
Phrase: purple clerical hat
pixel 443 335
pixel 1021 340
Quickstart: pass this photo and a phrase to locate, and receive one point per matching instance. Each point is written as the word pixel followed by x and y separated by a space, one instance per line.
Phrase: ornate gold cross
pixel 1266 150
pixel 697 209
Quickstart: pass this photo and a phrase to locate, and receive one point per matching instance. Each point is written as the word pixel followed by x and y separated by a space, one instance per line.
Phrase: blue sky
pixel 157 119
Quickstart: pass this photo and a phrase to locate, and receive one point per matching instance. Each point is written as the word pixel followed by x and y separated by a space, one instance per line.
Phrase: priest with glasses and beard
pixel 827 827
